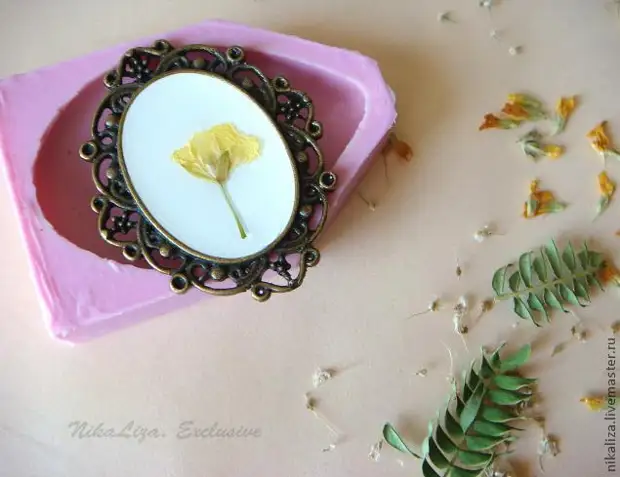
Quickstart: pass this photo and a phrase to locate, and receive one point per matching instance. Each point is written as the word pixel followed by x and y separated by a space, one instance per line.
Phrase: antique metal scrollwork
pixel 123 224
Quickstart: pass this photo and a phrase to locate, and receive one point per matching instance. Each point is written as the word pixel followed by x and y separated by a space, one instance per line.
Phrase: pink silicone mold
pixel 85 287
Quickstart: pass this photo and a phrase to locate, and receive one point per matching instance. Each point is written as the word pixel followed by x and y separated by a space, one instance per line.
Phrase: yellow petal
pixel 606 185
pixel 185 158
pixel 609 273
pixel 598 138
pixel 213 153
pixel 515 111
pixel 545 197
pixel 553 151
pixel 565 106
pixel 517 98
pixel 206 147
pixel 533 186
pixel 595 403
pixel 242 148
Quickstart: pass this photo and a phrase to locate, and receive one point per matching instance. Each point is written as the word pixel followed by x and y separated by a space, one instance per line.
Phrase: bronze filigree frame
pixel 122 222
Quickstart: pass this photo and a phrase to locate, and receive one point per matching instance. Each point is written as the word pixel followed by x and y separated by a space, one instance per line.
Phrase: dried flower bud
pixel 375 451
pixel 321 376
pixel 594 403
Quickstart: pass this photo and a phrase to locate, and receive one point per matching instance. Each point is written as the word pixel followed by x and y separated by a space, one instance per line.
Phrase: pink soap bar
pixel 85 287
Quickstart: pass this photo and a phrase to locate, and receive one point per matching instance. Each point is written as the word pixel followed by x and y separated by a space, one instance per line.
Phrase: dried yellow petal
pixel 606 185
pixel 515 111
pixel 533 147
pixel 601 143
pixel 594 403
pixel 524 106
pixel 563 110
pixel 607 188
pixel 213 154
pixel 524 100
pixel 541 202
pixel 609 274
pixel 565 106
pixel 598 138
pixel 492 121
pixel 553 151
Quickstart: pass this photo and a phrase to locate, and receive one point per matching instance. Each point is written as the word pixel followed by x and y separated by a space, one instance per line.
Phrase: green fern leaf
pixel 499 280
pixel 476 424
pixel 460 472
pixel 472 407
pixel 444 441
pixel 512 383
pixel 495 414
pixel 491 429
pixel 475 459
pixel 507 398
pixel 549 279
pixel 436 456
pixel 525 268
pixel 393 439
pixel 428 471
pixel 482 443
pixel 517 359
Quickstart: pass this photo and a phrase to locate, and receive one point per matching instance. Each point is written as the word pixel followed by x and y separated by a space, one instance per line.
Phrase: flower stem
pixel 232 208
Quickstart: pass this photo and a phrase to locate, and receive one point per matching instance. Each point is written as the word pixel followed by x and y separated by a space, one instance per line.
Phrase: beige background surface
pixel 239 363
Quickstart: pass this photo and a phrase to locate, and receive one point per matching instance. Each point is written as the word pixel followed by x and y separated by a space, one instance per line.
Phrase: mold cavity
pixel 63 180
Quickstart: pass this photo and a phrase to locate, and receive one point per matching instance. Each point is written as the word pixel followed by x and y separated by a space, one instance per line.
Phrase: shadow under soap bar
pixel 85 287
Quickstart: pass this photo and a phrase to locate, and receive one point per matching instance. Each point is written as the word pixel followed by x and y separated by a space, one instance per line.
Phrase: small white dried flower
pixel 548 446
pixel 311 406
pixel 375 451
pixel 515 50
pixel 329 448
pixel 484 233
pixel 579 333
pixel 320 377
pixel 460 311
pixel 444 17
pixel 432 307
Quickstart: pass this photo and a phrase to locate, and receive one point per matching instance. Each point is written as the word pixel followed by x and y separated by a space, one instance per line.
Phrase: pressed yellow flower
pixel 491 121
pixel 565 106
pixel 553 151
pixel 515 111
pixel 607 188
pixel 595 403
pixel 524 106
pixel 532 146
pixel 563 110
pixel 540 202
pixel 609 274
pixel 598 138
pixel 526 99
pixel 601 143
pixel 213 154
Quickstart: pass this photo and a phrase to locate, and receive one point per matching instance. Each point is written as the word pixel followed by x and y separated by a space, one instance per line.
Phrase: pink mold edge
pixel 83 293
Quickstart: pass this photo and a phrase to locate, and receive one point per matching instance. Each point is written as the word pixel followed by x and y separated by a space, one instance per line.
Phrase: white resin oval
pixel 161 119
